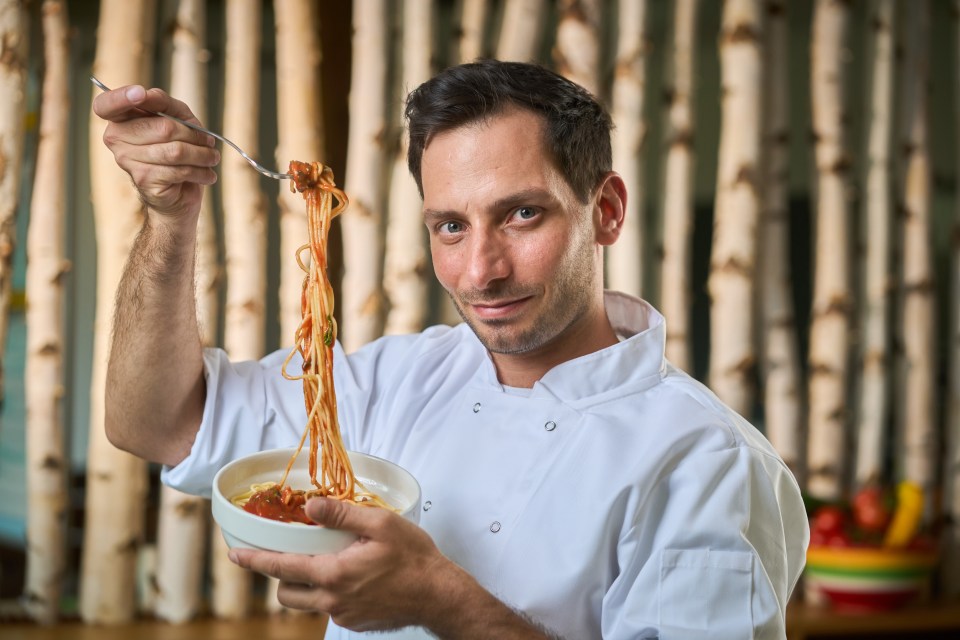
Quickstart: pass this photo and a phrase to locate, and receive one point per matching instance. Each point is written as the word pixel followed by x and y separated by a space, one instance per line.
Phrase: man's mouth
pixel 498 309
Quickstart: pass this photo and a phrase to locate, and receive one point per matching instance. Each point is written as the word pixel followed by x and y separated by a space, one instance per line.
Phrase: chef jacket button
pixel 427 505
pixel 550 426
pixel 476 408
pixel 495 527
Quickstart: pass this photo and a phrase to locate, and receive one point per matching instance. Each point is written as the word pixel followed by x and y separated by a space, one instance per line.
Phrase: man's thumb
pixel 333 514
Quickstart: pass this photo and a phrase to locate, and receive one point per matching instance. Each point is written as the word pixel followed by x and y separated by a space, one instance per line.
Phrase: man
pixel 575 484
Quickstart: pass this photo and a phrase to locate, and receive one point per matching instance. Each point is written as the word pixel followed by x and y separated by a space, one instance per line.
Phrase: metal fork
pixel 196 127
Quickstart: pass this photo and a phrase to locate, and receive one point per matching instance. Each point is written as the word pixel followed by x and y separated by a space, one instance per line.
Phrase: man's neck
pixel 524 369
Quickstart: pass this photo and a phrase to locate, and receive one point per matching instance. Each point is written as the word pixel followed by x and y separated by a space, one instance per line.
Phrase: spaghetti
pixel 314 342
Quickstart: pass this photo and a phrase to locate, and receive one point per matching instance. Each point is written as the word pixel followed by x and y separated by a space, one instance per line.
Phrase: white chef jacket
pixel 618 498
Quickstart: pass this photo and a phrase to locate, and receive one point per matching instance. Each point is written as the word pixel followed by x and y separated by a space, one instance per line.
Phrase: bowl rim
pixel 278 525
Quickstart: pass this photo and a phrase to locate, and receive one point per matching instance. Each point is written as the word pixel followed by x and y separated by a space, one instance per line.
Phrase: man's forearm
pixel 467 611
pixel 155 386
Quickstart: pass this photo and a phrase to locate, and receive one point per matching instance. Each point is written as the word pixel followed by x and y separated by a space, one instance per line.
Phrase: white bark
pixel 878 216
pixel 47 461
pixel 245 247
pixel 244 206
pixel 780 359
pixel 918 322
pixel 116 481
pixel 830 312
pixel 950 571
pixel 181 542
pixel 625 258
pixel 521 30
pixel 576 54
pixel 362 222
pixel 678 186
pixel 473 22
pixel 737 213
pixel 300 137
pixel 14 29
pixel 406 262
pixel 188 82
pixel 181 530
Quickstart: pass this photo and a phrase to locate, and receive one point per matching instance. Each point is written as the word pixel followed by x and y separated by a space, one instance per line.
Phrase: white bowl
pixel 246 530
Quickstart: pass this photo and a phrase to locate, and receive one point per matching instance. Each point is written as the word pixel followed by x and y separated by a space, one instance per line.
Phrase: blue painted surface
pixel 13 437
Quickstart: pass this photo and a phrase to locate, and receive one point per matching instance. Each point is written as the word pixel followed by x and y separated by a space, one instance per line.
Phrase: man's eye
pixel 526 213
pixel 451 227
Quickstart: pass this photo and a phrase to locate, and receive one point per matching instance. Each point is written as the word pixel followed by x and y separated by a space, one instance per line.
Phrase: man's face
pixel 511 243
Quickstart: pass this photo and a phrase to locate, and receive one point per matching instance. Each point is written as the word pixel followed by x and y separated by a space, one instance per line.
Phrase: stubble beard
pixel 569 303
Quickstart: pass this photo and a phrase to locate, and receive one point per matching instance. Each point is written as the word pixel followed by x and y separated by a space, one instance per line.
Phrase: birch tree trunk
pixel 116 481
pixel 244 207
pixel 737 214
pixel 950 571
pixel 780 359
pixel 181 531
pixel 188 82
pixel 362 222
pixel 521 30
pixel 878 217
pixel 576 54
pixel 625 258
pixel 473 23
pixel 830 312
pixel 245 236
pixel 918 324
pixel 406 263
pixel 300 137
pixel 678 189
pixel 43 376
pixel 14 27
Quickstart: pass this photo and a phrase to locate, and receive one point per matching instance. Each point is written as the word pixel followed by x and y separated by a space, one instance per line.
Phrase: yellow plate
pixel 870 558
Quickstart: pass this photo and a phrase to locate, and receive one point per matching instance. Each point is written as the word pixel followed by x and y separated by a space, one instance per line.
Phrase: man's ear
pixel 610 208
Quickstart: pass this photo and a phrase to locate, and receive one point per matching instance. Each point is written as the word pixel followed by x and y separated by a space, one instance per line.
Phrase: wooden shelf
pixel 931 620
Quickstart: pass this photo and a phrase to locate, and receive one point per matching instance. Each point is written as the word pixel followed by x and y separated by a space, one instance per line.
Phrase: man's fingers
pixel 130 101
pixel 175 153
pixel 152 180
pixel 287 567
pixel 153 129
pixel 157 100
pixel 120 104
pixel 130 105
pixel 296 595
pixel 345 516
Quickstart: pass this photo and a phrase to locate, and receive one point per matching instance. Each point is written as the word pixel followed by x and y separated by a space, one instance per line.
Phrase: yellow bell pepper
pixel 906 517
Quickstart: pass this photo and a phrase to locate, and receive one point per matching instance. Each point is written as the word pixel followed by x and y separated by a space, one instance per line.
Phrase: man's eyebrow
pixel 533 196
pixel 437 214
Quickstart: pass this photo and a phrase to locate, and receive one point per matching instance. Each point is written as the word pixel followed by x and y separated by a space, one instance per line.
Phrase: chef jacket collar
pixel 633 364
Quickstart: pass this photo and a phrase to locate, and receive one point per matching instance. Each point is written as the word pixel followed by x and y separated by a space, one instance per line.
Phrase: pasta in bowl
pixel 396 486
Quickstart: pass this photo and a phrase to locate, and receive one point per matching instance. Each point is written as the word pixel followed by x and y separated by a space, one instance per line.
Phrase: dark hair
pixel 577 127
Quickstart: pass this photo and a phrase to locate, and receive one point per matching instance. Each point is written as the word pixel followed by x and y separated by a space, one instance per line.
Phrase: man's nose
pixel 488 260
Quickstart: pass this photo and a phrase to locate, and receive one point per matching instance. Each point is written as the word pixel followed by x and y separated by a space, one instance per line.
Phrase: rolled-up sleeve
pixel 249 407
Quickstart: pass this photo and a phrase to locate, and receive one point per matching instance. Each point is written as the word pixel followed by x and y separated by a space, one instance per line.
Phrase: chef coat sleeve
pixel 249 407
pixel 716 553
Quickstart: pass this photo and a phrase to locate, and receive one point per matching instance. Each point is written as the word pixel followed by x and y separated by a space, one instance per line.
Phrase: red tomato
pixel 817 538
pixel 838 539
pixel 828 520
pixel 869 511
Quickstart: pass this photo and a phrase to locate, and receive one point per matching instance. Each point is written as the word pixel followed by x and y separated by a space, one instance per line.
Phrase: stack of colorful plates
pixel 869 578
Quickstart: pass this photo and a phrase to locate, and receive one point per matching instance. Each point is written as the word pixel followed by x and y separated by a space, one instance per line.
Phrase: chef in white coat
pixel 575 484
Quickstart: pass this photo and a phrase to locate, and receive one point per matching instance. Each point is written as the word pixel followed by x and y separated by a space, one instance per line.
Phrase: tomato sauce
pixel 275 503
